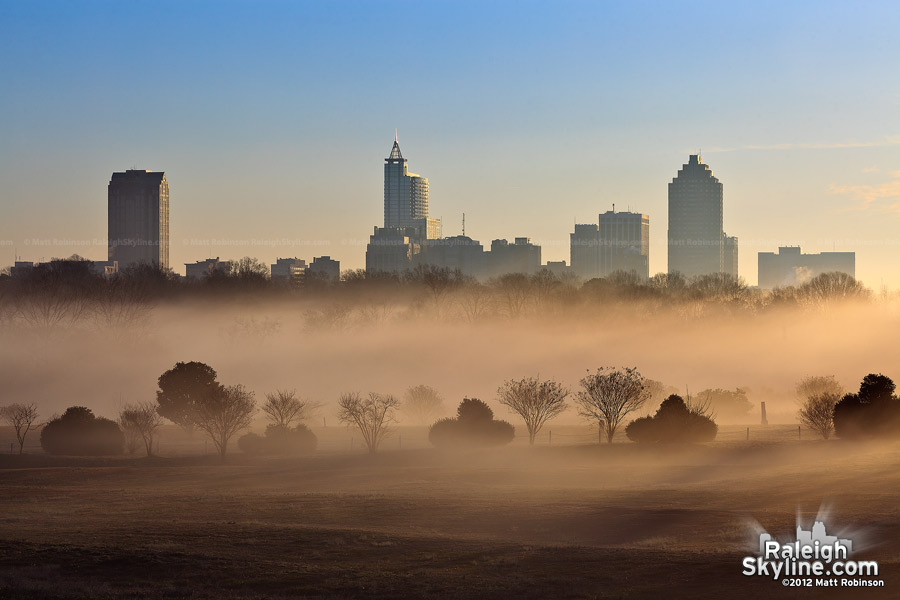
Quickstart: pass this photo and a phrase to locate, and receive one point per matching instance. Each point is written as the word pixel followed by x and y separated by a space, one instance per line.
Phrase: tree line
pixel 191 396
pixel 65 291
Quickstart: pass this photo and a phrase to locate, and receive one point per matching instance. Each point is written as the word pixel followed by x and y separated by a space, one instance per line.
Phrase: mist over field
pixel 422 517
pixel 388 346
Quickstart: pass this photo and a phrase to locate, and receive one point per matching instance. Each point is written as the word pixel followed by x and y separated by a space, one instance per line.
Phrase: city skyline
pixel 526 123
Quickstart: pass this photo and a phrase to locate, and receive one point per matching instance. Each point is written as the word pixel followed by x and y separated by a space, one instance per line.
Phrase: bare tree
pixel 140 422
pixel 8 309
pixel 243 330
pixel 722 288
pixel 376 311
pixel 535 401
pixel 609 395
pixel 330 317
pixel 21 417
pixel 57 293
pixel 371 415
pixel 815 385
pixel 833 286
pixel 439 281
pixel 475 300
pixel 514 291
pixel 701 406
pixel 817 413
pixel 224 412
pixel 130 430
pixel 423 403
pixel 121 303
pixel 284 408
pixel 544 284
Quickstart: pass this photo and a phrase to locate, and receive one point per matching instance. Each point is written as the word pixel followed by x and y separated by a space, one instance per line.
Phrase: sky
pixel 272 121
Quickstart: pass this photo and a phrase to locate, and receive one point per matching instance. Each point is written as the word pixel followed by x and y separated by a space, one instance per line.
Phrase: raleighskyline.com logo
pixel 814 559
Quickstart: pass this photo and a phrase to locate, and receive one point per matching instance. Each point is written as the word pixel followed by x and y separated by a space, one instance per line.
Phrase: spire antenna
pixel 396 140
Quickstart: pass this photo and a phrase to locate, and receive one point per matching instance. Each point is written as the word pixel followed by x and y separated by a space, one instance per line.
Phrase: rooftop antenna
pixel 464 224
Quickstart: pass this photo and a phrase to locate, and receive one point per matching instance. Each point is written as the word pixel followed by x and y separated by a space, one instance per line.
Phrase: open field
pixel 561 521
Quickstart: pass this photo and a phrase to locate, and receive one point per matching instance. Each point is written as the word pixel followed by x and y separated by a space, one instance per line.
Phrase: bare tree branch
pixel 371 415
pixel 20 417
pixel 535 401
pixel 609 395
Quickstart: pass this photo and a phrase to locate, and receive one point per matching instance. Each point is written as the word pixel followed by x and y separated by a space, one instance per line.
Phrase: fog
pixel 387 346
pixel 621 519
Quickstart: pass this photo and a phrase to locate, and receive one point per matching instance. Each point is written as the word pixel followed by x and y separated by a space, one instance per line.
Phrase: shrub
pixel 642 429
pixel 284 440
pixel 280 440
pixel 474 426
pixel 252 444
pixel 78 432
pixel 871 412
pixel 673 422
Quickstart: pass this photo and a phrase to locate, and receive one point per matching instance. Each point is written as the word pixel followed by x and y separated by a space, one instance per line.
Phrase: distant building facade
pixel 519 257
pixel 695 238
pixel 105 268
pixel 730 255
pixel 21 268
pixel 138 218
pixel 205 268
pixel 584 251
pixel 559 268
pixel 456 252
pixel 289 271
pixel 392 249
pixel 791 267
pixel 624 243
pixel 325 268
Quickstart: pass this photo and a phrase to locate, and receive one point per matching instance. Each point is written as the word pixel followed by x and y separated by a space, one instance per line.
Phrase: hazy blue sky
pixel 272 120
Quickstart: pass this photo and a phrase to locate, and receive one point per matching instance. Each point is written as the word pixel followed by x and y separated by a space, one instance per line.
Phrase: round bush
pixel 251 444
pixel 79 433
pixel 673 422
pixel 282 440
pixel 474 427
pixel 642 430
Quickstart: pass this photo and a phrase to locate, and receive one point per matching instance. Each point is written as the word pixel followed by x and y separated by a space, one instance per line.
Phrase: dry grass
pixel 619 521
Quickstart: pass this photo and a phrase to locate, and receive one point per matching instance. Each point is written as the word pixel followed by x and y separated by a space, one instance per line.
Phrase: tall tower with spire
pixel 406 197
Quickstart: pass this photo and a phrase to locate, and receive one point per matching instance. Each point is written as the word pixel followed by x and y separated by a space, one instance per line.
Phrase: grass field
pixel 567 520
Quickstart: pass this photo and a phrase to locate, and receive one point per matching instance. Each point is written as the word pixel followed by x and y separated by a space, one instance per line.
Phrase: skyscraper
pixel 406 197
pixel 696 238
pixel 138 218
pixel 624 239
pixel 730 255
pixel 584 254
